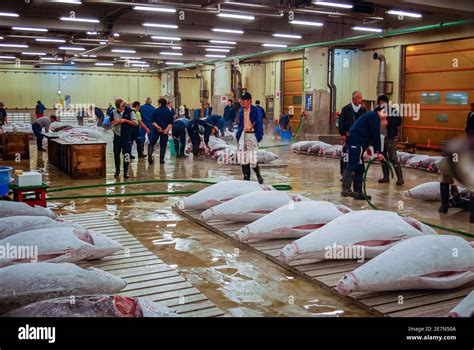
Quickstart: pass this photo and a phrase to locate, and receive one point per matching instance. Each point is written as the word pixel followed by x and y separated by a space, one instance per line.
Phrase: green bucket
pixel 171 146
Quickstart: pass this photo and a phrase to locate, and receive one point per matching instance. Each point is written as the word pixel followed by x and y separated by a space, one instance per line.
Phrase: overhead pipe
pixel 202 88
pixel 332 88
pixel 382 78
pixel 236 81
pixel 177 92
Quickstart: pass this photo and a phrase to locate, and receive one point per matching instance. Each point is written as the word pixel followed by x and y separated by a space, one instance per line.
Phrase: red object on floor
pixel 39 192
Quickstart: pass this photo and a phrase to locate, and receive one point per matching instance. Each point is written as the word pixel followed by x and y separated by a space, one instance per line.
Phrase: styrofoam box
pixel 28 178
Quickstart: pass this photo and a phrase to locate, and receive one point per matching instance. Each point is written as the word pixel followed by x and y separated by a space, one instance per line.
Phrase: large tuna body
pixel 219 193
pixel 369 232
pixel 250 206
pixel 15 224
pixel 465 308
pixel 60 244
pixel 8 208
pixel 93 306
pixel 27 283
pixel 293 220
pixel 426 262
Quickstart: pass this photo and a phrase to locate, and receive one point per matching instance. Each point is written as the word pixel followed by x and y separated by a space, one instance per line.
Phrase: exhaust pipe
pixel 177 92
pixel 236 82
pixel 382 78
pixel 202 88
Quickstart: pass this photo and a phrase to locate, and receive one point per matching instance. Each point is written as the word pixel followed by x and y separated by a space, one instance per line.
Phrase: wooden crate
pixel 14 144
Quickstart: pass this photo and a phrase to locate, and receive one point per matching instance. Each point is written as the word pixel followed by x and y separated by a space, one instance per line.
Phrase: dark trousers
pixel 344 158
pixel 39 136
pixel 193 132
pixel 122 144
pixel 163 140
pixel 179 135
pixel 143 132
pixel 355 166
pixel 136 137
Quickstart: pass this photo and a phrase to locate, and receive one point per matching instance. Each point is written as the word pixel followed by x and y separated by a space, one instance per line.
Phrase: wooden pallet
pixel 325 274
pixel 146 275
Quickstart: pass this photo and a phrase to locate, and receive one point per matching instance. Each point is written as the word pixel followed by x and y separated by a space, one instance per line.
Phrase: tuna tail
pixel 267 188
pixel 343 209
pixel 180 205
pixel 288 253
pixel 207 215
pixel 243 234
pixel 347 284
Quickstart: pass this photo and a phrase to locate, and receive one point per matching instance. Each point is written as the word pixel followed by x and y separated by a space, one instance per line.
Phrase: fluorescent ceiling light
pixel 51 59
pixel 48 40
pixel 73 2
pixel 404 13
pixel 137 62
pixel 33 53
pixel 89 56
pixel 1 37
pixel 78 19
pixel 368 29
pixel 231 15
pixel 333 4
pixel 154 9
pixel 216 56
pixel 105 64
pixel 232 31
pixel 274 45
pixel 172 38
pixel 158 25
pixel 116 35
pixel 123 51
pixel 103 42
pixel 130 58
pixel 174 63
pixel 176 47
pixel 30 29
pixel 141 65
pixel 307 23
pixel 14 45
pixel 166 53
pixel 72 48
pixel 291 36
pixel 217 50
pixel 9 14
pixel 7 57
pixel 223 42
pixel 92 33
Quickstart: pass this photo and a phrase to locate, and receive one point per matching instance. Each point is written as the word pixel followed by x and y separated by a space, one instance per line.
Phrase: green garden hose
pixel 460 232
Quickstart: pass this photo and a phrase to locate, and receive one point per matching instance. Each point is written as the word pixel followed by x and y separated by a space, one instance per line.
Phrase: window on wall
pixel 430 98
pixel 456 98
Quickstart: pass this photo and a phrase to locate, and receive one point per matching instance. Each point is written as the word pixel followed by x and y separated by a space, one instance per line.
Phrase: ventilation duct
pixel 382 78
pixel 236 82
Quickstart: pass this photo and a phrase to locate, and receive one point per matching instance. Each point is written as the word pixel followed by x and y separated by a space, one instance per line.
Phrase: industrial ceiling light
pixel 232 15
pixel 166 53
pixel 78 19
pixel 307 23
pixel 217 50
pixel 72 2
pixel 232 31
pixel 92 33
pixel 368 29
pixel 274 45
pixel 404 13
pixel 290 36
pixel 33 53
pixel 170 63
pixel 159 25
pixel 89 56
pixel 223 42
pixel 1 38
pixel 130 58
pixel 333 4
pixel 7 57
pixel 9 14
pixel 104 64
pixel 216 56
pixel 103 42
pixel 30 29
pixel 72 48
pixel 123 51
pixel 48 40
pixel 154 9
pixel 141 65
pixel 172 38
pixel 176 47
pixel 51 58
pixel 14 45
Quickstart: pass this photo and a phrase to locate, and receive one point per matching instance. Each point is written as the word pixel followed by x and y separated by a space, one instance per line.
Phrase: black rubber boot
pixel 358 194
pixel 259 176
pixel 444 191
pixel 346 183
pixel 246 172
pixel 471 208
pixel 399 173
pixel 140 151
pixel 150 153
pixel 162 155
pixel 386 174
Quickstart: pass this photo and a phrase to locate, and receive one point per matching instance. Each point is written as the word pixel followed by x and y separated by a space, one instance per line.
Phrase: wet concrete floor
pixel 239 282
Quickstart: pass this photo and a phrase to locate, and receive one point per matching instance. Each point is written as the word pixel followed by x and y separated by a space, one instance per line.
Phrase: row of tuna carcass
pixel 39 276
pixel 334 151
pixel 405 254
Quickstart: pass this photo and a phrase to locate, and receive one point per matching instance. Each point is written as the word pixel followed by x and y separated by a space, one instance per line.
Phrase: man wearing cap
pixel 249 134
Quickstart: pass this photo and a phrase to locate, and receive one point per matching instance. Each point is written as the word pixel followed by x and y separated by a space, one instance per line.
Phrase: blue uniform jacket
pixel 256 119
pixel 147 113
pixel 216 120
pixel 366 131
pixel 162 116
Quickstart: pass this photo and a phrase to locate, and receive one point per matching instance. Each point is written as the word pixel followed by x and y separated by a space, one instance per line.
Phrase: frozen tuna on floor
pixel 364 233
pixel 465 308
pixel 416 160
pixel 58 245
pixel 265 156
pixel 293 220
pixel 27 283
pixel 426 262
pixel 429 191
pixel 9 208
pixel 318 148
pixel 250 206
pixel 220 193
pixel 15 224
pixel 93 306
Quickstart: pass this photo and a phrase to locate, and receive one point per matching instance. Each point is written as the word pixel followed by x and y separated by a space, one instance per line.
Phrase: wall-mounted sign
pixel 224 99
pixel 308 102
pixel 277 95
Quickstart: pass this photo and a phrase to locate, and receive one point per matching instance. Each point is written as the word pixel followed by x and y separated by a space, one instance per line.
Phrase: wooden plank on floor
pixel 327 273
pixel 146 274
